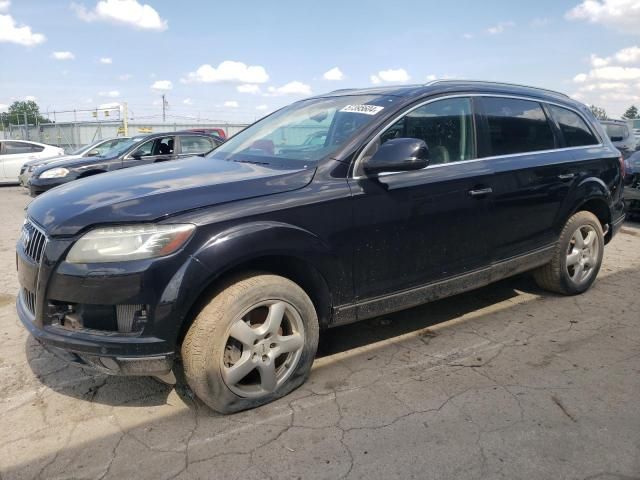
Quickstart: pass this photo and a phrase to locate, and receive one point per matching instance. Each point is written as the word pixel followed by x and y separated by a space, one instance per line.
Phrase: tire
pixel 574 269
pixel 239 329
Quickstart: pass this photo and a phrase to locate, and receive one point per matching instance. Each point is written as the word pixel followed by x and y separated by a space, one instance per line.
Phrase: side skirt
pixel 395 302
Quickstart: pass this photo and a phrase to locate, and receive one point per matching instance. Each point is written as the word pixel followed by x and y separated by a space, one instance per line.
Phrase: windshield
pixel 616 132
pixel 304 132
pixel 86 148
pixel 124 146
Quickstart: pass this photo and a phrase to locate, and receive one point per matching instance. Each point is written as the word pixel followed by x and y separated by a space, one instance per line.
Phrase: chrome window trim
pixel 493 157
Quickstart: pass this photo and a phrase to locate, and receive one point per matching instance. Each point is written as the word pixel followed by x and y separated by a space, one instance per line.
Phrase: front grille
pixel 33 241
pixel 29 300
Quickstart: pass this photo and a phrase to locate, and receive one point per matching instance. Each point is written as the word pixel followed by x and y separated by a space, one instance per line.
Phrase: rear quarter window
pixel 574 129
pixel 516 126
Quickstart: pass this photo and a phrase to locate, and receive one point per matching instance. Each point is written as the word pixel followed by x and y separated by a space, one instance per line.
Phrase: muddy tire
pixel 577 257
pixel 254 342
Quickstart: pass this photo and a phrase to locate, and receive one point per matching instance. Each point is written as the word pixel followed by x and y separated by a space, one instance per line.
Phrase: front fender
pixel 243 243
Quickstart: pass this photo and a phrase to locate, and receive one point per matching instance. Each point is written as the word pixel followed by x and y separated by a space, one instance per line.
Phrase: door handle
pixel 566 176
pixel 481 192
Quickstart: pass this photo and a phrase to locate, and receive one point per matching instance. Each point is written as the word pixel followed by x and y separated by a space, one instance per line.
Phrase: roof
pixel 613 120
pixel 438 86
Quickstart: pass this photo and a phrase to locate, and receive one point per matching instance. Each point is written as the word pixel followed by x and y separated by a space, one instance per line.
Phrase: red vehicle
pixel 210 131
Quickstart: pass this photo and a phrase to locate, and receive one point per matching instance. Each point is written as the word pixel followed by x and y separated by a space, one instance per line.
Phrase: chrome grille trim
pixel 29 300
pixel 33 240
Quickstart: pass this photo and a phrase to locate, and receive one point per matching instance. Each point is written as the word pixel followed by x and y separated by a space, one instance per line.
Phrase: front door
pixel 159 149
pixel 414 228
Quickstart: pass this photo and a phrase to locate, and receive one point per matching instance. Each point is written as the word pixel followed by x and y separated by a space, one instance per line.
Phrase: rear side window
pixel 575 131
pixel 195 145
pixel 517 126
pixel 21 147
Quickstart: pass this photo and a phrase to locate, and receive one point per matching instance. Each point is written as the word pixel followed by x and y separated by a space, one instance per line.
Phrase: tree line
pixel 21 112
pixel 630 114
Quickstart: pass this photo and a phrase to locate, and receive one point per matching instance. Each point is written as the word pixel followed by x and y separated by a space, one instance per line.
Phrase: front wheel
pixel 254 342
pixel 577 257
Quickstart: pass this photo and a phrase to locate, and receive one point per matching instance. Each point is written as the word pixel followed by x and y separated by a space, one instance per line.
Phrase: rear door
pixel 534 173
pixel 190 145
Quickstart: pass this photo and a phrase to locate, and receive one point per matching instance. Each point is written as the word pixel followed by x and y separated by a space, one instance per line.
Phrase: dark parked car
pixel 632 184
pixel 621 136
pixel 99 148
pixel 236 262
pixel 137 151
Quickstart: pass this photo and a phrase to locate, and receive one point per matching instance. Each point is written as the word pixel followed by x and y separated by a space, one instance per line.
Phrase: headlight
pixel 129 242
pixel 54 173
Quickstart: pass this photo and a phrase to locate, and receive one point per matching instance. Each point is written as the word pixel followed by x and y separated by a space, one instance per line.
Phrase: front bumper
pixel 37 186
pixel 165 288
pixel 112 355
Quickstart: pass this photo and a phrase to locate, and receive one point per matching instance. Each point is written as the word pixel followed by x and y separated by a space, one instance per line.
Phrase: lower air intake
pixel 125 315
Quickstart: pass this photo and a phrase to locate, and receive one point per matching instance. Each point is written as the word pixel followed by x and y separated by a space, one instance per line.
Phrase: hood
pixel 71 161
pixel 153 192
pixel 38 162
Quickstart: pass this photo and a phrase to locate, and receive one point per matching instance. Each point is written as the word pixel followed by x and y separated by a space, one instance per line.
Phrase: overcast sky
pixel 240 60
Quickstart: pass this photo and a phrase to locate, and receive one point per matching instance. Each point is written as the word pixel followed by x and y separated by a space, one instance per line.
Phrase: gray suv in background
pixel 621 136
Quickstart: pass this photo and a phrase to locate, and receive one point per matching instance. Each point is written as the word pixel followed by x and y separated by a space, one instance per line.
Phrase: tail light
pixel 622 166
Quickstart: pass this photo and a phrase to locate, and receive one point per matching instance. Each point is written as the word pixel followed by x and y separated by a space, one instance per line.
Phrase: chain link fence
pixel 72 135
pixel 71 129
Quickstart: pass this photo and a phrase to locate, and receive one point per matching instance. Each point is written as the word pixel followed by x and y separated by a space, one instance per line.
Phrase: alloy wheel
pixel 582 254
pixel 263 348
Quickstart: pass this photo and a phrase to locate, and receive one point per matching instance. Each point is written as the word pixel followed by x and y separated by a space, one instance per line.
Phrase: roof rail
pixel 342 90
pixel 443 80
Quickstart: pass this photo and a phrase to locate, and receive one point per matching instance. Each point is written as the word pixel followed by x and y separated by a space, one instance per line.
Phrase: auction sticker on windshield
pixel 366 109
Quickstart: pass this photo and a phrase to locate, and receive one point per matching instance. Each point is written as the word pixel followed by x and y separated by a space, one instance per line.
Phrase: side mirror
pixel 93 153
pixel 398 155
pixel 136 155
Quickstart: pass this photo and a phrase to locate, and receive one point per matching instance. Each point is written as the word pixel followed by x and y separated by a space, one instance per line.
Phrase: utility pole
pixel 26 126
pixel 125 121
pixel 164 104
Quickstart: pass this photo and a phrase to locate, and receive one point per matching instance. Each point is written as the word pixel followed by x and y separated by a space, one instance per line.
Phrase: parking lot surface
pixel 504 382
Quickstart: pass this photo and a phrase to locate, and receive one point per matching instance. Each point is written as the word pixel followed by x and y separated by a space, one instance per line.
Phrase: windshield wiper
pixel 250 161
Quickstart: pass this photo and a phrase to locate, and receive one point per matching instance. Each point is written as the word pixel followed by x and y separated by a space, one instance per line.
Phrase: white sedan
pixel 14 153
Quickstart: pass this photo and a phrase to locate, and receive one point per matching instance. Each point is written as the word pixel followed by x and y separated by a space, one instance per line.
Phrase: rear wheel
pixel 254 342
pixel 577 257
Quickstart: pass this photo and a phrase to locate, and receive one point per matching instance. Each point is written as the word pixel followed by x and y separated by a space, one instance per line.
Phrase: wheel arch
pixel 298 270
pixel 600 208
pixel 275 248
pixel 591 195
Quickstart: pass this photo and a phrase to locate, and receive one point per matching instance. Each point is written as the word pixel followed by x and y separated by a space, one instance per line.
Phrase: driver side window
pixel 446 126
pixel 144 150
